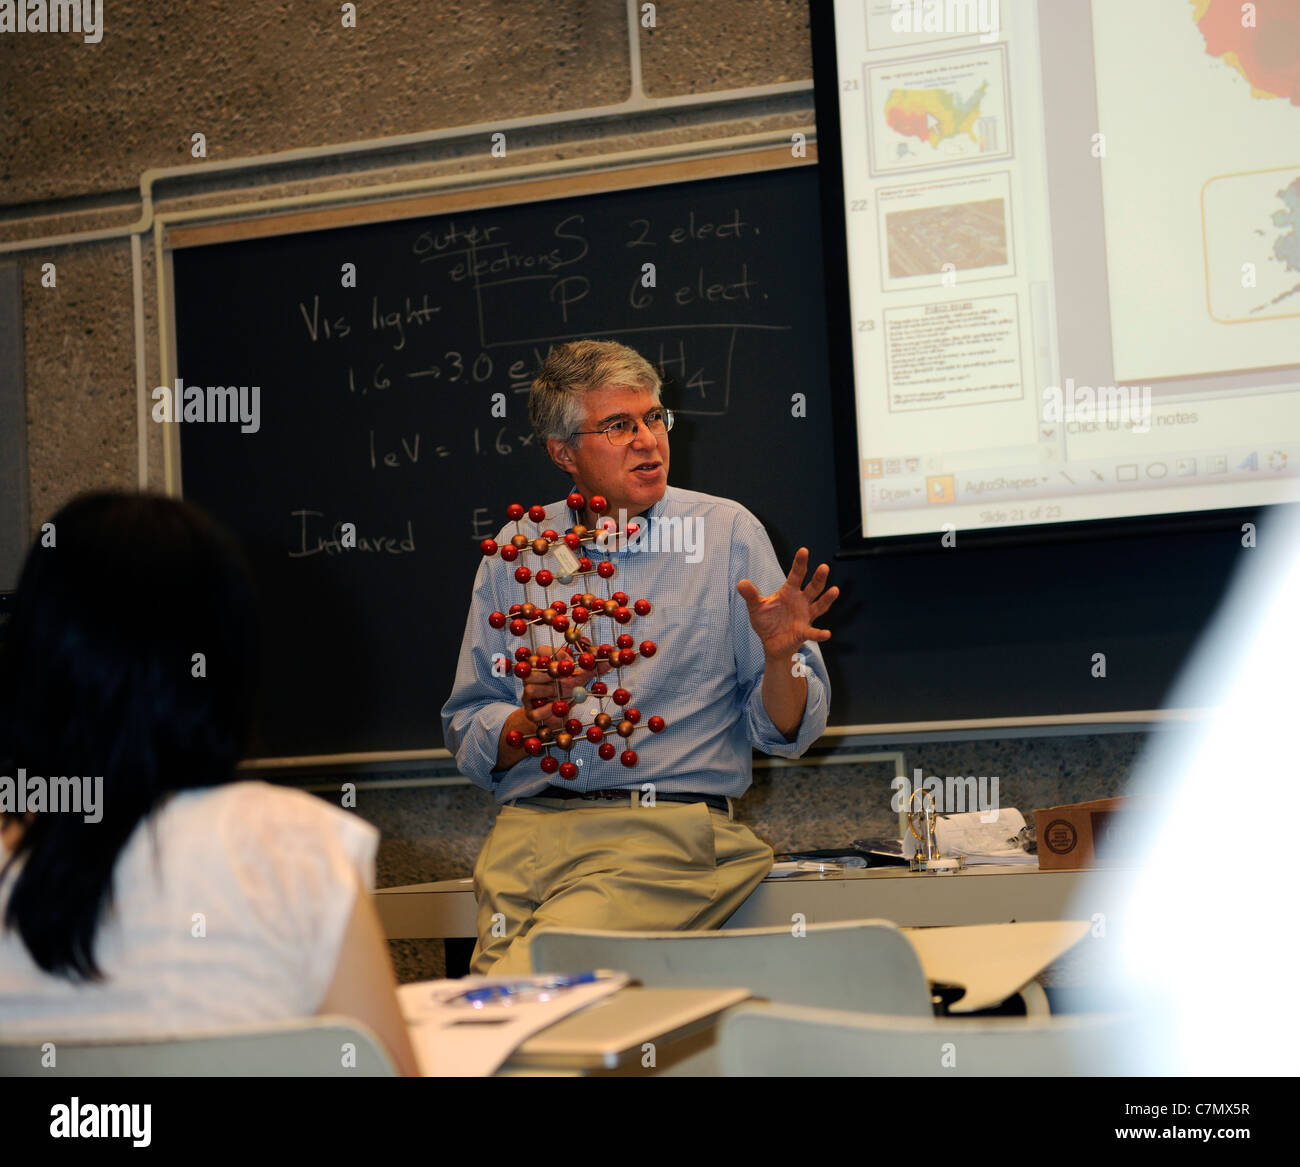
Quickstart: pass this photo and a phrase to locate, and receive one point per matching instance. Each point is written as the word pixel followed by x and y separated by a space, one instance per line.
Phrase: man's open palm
pixel 784 620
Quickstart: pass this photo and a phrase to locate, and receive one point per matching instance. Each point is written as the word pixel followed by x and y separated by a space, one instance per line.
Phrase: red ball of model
pixel 620 599
pixel 632 715
pixel 641 607
pixel 515 511
pixel 625 641
pixel 488 546
pixel 514 739
pixel 564 666
pixel 576 502
pixel 580 614
pixel 544 577
pixel 626 656
pixel 572 542
pixel 598 688
pixel 533 746
pixel 559 606
pixel 584 564
pixel 560 623
pixel 599 504
pixel 518 626
pixel 568 770
pixel 621 697
pixel 623 615
pixel 628 758
pixel 537 514
pixel 550 764
pixel 648 648
pixel 523 574
pixel 509 553
pixel 595 733
pixel 550 535
pixel 607 750
pixel 516 609
pixel 497 619
pixel 573 725
pixel 586 661
pixel 523 670
pixel 655 725
pixel 560 708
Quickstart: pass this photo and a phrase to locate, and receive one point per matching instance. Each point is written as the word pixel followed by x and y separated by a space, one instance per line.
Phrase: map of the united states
pixel 1266 54
pixel 933 115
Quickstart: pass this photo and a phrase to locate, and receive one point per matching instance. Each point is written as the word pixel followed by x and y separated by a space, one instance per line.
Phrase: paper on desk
pixel 978 841
pixel 790 867
pixel 451 1039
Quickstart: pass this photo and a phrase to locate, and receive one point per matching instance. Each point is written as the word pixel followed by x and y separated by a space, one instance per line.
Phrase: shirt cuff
pixel 766 737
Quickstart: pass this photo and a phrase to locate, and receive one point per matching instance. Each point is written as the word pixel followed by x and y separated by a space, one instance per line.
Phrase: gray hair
pixel 575 368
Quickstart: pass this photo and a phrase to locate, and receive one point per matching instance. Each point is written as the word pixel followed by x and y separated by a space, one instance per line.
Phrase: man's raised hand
pixel 784 620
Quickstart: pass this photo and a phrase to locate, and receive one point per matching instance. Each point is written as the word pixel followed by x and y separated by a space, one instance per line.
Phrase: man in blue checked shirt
pixel 654 846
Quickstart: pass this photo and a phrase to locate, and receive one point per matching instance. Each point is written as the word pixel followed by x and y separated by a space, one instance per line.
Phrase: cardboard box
pixel 1070 836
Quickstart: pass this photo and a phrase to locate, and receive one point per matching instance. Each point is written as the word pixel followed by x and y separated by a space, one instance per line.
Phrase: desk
pixel 611 1034
pixel 979 895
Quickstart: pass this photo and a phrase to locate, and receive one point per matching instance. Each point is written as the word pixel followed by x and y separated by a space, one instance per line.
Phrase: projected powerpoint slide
pixel 1252 245
pixel 938 111
pixel 945 232
pixel 962 352
pixel 1198 182
pixel 893 24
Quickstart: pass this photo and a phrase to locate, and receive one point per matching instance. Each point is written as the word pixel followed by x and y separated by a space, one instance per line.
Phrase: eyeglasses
pixel 621 432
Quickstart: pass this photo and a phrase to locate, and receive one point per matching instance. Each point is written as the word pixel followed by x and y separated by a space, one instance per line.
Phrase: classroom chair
pixel 778 1040
pixel 863 965
pixel 312 1047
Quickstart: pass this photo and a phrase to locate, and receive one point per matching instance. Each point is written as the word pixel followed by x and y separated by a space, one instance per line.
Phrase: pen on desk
pixel 512 990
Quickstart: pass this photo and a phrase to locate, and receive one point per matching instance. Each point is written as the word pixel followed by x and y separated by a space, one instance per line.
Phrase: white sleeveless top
pixel 229 908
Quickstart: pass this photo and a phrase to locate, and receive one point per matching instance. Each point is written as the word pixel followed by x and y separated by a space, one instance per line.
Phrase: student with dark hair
pixel 173 898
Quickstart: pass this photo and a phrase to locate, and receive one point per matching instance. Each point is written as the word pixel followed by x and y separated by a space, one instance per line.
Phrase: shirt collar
pixel 652 513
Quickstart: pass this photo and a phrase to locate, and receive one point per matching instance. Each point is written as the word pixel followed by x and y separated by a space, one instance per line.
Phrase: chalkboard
pixel 377 404
pixel 377 408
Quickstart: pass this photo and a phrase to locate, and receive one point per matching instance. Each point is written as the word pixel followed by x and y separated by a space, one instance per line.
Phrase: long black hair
pixel 99 675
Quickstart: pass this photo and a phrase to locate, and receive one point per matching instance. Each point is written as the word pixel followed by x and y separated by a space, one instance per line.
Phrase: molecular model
pixel 570 621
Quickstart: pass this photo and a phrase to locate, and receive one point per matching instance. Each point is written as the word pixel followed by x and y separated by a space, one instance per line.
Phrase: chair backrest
pixel 312 1047
pixel 864 965
pixel 791 1040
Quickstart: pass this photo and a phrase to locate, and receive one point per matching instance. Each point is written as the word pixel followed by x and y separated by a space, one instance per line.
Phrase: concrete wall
pixel 259 77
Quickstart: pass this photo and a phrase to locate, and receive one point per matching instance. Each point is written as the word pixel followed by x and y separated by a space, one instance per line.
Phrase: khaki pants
pixel 556 862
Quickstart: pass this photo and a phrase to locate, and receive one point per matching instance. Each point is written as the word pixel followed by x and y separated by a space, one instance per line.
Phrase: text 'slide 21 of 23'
pixel 570 620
